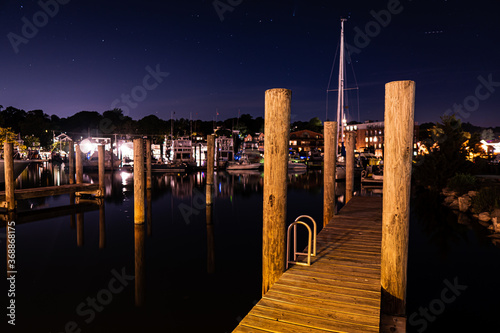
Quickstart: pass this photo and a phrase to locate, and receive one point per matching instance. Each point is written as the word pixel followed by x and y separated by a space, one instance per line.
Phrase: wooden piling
pixel 138 181
pixel 210 168
pixel 148 164
pixel 329 169
pixel 399 124
pixel 139 264
pixel 10 185
pixel 349 165
pixel 101 166
pixel 78 165
pixel 277 129
pixel 71 161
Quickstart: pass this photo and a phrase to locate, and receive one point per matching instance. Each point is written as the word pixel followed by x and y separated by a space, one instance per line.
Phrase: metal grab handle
pixel 314 233
pixel 295 253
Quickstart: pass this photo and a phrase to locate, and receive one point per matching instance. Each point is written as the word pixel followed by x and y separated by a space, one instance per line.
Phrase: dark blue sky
pixel 89 55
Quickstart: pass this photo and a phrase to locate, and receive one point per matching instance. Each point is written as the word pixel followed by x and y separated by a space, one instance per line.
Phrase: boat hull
pixel 19 167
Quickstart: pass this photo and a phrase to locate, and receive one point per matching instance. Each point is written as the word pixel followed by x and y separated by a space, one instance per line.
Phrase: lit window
pixel 371 139
pixel 366 139
pixel 375 139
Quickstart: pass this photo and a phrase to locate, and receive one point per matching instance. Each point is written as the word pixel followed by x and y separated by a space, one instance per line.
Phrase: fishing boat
pixel 93 161
pixel 243 164
pixel 296 166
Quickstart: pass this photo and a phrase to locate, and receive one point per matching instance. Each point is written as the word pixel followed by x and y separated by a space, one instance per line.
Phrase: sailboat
pixel 340 172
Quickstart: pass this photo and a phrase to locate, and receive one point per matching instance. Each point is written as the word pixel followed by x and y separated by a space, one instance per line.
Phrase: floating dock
pixel 340 291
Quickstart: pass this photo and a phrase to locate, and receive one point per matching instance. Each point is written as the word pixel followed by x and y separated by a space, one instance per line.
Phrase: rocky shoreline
pixel 462 205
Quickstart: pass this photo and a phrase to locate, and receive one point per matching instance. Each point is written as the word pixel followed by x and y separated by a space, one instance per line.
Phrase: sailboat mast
pixel 340 101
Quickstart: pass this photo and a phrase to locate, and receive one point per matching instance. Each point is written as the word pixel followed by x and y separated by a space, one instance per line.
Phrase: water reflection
pixel 210 241
pixel 139 263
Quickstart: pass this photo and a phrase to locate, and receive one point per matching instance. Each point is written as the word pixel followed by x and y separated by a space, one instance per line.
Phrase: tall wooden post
pixel 349 165
pixel 399 123
pixel 78 165
pixel 329 169
pixel 101 168
pixel 71 161
pixel 277 131
pixel 138 181
pixel 148 164
pixel 210 167
pixel 8 149
pixel 139 264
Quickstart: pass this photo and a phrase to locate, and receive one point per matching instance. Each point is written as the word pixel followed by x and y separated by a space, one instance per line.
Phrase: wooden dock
pixel 340 291
pixel 38 192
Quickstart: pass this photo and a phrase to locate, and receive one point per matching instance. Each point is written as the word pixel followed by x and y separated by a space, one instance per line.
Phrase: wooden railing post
pixel 139 211
pixel 399 124
pixel 277 131
pixel 349 165
pixel 329 169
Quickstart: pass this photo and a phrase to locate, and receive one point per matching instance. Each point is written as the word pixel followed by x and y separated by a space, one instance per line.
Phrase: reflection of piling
pixel 79 229
pixel 399 124
pixel 9 175
pixel 349 165
pixel 329 167
pixel 210 241
pixel 149 212
pixel 72 216
pixel 101 166
pixel 102 226
pixel 277 129
pixel 138 181
pixel 71 161
pixel 210 167
pixel 139 264
pixel 78 165
pixel 148 164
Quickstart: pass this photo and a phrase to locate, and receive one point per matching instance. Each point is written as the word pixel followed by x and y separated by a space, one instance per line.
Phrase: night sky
pixel 90 55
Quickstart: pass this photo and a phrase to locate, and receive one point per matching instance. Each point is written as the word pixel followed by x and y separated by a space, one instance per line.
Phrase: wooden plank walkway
pixel 340 291
pixel 38 192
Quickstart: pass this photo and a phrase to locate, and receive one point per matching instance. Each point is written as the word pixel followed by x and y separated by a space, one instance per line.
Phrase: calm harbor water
pixel 77 272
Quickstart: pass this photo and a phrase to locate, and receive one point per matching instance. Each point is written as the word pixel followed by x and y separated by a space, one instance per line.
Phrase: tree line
pixel 37 128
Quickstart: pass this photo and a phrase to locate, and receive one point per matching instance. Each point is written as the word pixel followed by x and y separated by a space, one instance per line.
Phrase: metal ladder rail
pixel 310 237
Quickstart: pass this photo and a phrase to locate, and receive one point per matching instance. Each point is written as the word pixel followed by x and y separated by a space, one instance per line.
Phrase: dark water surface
pixel 78 273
